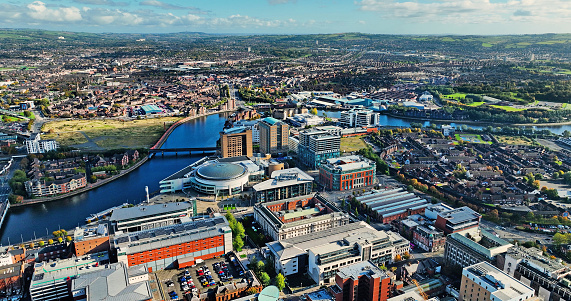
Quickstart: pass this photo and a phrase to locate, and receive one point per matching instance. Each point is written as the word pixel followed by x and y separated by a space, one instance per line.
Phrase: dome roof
pixel 221 171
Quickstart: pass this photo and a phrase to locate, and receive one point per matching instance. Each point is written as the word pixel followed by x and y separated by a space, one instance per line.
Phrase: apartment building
pixel 35 145
pixel 361 281
pixel 359 118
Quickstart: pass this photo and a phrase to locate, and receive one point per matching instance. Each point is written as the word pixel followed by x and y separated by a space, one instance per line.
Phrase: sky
pixel 480 17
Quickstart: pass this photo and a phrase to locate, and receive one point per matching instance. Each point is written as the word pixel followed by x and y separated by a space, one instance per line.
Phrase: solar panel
pixel 144 235
pixel 122 239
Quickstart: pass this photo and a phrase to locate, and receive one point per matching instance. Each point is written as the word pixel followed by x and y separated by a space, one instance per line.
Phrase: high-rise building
pixel 483 281
pixel 35 145
pixel 236 142
pixel 274 136
pixel 362 281
pixel 316 146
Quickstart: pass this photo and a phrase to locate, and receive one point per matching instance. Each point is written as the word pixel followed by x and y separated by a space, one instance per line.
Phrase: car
pixel 240 272
pixel 212 283
pixel 182 279
pixel 169 283
pixel 186 273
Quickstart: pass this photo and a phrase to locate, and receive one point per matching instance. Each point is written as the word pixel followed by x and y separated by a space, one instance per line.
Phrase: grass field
pixel 487 45
pixel 476 104
pixel 108 134
pixel 352 144
pixel 471 138
pixel 517 140
pixel 457 96
pixel 508 108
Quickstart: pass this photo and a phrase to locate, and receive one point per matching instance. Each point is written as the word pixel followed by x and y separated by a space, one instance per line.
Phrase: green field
pixel 487 45
pixel 471 138
pixel 476 103
pixel 457 96
pixel 508 108
pixel 352 144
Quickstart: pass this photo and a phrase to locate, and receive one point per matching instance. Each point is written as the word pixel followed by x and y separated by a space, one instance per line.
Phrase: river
pixel 25 221
pixel 21 222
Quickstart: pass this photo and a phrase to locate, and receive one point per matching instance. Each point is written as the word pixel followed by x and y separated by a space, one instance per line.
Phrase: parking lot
pixel 198 279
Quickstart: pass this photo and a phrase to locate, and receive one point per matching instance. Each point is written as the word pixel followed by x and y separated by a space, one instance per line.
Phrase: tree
pixel 383 267
pixel 50 241
pixel 559 238
pixel 31 245
pixel 356 212
pixel 280 281
pixel 68 238
pixel 260 266
pixel 60 239
pixel 41 243
pixel 265 278
pixel 313 111
pixel 238 243
pixel 398 257
pixel 251 291
pixel 368 219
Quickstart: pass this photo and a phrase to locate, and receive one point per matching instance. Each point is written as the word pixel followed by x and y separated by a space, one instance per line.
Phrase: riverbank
pixel 479 123
pixel 84 189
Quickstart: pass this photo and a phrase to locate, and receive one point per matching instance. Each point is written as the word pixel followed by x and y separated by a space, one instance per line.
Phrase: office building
pixel 547 276
pixel 298 216
pixel 34 144
pixel 50 279
pixel 284 184
pixel 388 205
pixel 346 173
pixel 145 217
pixel 236 142
pixel 274 136
pixel 316 146
pixel 362 281
pixel 161 248
pixel 483 281
pixel 359 118
pixel 462 220
pixel 322 253
pixel 463 251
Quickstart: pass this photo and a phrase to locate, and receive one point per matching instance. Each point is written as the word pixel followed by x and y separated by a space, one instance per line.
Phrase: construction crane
pixel 420 290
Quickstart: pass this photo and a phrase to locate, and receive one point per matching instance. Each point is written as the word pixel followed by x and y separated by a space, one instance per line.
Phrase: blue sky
pixel 292 16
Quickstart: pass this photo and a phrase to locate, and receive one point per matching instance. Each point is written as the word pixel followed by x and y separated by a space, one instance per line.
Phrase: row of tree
pixel 238 232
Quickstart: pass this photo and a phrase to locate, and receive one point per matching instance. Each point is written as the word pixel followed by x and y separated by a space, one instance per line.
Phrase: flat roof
pixel 141 241
pixel 459 215
pixel 500 285
pixel 284 177
pixel 488 252
pixel 121 214
pixel 361 268
pixel 300 213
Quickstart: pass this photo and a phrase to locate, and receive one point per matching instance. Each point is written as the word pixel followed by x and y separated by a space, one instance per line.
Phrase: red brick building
pixel 11 276
pixel 161 248
pixel 361 281
pixel 462 219
pixel 345 173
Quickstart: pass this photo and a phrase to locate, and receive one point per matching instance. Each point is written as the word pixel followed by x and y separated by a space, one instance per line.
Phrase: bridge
pixel 190 150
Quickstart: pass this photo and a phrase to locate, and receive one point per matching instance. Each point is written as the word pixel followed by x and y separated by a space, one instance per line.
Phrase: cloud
pixel 471 11
pixel 39 14
pixel 102 2
pixel 164 5
pixel 38 11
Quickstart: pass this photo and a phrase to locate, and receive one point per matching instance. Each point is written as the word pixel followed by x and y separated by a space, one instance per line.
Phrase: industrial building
pixel 316 146
pixel 483 281
pixel 236 142
pixel 463 251
pixel 460 220
pixel 284 184
pixel 346 173
pixel 298 216
pixel 274 136
pixel 359 118
pixel 322 253
pixel 145 217
pixel 392 204
pixel 161 248
pixel 362 281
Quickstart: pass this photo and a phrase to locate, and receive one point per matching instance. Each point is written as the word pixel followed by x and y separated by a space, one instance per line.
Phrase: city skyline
pixel 472 17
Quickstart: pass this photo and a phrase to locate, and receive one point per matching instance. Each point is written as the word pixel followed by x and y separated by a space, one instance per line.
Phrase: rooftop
pixel 284 177
pixel 490 253
pixel 136 212
pixel 270 120
pixel 535 259
pixel 320 295
pixel 221 171
pixel 500 285
pixel 459 215
pixel 361 268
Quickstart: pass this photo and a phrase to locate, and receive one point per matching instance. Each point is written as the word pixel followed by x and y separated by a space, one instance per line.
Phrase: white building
pixel 251 125
pixel 305 120
pixel 322 253
pixel 426 96
pixel 359 118
pixel 483 281
pixel 35 145
pixel 293 143
pixel 448 130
